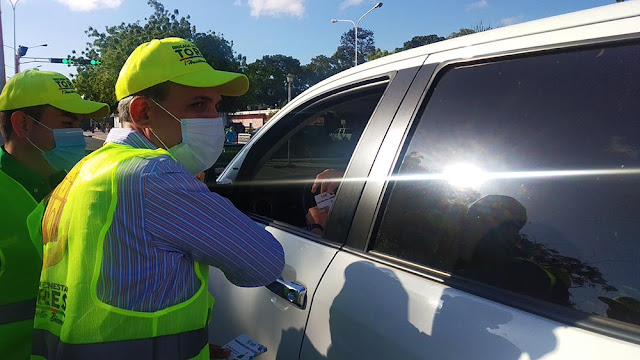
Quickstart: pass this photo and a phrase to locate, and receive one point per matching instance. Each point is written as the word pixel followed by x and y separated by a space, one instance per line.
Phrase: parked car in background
pixel 340 134
pixel 489 207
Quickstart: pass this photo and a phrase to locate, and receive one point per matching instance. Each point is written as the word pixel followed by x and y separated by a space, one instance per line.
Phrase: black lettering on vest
pixel 179 52
pixel 188 52
pixel 64 303
pixel 55 297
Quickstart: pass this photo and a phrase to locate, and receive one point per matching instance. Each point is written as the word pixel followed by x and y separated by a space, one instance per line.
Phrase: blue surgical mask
pixel 70 148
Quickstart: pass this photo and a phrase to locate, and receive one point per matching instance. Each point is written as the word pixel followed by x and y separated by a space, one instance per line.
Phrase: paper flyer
pixel 244 348
pixel 324 200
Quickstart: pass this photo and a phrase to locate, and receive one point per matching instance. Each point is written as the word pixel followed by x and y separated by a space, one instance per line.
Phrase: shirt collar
pixel 35 184
pixel 130 137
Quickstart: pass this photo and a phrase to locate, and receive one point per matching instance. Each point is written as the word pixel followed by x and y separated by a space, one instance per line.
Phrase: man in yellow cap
pixel 40 113
pixel 129 234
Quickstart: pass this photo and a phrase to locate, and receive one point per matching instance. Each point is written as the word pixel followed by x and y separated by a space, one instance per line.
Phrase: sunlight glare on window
pixel 462 175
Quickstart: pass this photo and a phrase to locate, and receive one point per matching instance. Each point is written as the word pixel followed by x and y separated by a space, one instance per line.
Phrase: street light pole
pixel 16 59
pixel 355 25
pixel 356 37
pixel 289 80
pixel 3 77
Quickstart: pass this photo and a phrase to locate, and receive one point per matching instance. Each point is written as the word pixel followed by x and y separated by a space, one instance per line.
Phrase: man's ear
pixel 21 124
pixel 139 111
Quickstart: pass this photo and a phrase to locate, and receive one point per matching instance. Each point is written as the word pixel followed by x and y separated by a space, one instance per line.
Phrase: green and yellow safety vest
pixel 20 266
pixel 71 322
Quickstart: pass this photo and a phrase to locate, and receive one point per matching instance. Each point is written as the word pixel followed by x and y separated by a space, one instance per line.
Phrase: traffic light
pixel 22 51
pixel 80 61
pixel 61 61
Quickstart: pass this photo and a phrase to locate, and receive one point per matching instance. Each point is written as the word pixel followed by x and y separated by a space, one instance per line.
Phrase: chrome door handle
pixel 293 292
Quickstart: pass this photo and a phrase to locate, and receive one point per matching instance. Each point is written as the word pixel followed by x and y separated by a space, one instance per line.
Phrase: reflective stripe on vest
pixel 183 346
pixel 19 311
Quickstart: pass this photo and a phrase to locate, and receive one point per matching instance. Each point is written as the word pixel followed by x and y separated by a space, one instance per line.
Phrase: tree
pixel 320 68
pixel 417 41
pixel 344 55
pixel 479 27
pixel 268 80
pixel 114 45
pixel 379 53
pixel 461 32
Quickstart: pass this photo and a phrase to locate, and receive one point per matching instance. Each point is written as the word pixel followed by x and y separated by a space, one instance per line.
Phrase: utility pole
pixel 15 47
pixel 3 77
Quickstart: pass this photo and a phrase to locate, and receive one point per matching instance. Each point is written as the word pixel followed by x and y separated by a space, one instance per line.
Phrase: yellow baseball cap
pixel 34 87
pixel 176 60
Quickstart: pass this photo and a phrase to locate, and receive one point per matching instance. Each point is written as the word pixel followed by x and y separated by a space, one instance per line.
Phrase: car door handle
pixel 293 292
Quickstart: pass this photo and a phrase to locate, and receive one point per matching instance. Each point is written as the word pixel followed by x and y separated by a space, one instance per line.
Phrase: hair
pixel 6 129
pixel 157 92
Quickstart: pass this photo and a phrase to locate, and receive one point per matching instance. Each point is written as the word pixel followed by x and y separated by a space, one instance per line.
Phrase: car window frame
pixel 397 84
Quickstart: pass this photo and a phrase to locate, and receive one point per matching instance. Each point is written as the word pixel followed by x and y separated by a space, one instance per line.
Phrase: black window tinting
pixel 525 174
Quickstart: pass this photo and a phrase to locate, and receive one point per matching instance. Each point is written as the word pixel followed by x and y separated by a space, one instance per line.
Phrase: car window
pixel 316 138
pixel 524 174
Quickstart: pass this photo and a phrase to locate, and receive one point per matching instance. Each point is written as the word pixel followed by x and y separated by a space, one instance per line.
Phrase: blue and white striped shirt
pixel 166 219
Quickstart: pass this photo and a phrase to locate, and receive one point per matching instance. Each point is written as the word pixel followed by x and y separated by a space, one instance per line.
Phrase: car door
pixel 500 217
pixel 271 180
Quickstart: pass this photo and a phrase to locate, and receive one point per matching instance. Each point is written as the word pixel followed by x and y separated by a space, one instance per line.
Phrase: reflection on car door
pixel 414 284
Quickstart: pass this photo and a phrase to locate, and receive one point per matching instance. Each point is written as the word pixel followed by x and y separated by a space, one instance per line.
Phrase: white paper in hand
pixel 324 200
pixel 244 348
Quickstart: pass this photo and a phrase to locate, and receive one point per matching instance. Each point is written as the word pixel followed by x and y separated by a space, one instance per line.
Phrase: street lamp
pixel 355 25
pixel 15 49
pixel 289 80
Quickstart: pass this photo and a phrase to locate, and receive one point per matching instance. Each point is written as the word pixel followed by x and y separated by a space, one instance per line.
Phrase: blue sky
pixel 297 28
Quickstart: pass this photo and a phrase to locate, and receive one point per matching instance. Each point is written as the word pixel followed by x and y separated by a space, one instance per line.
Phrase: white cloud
pixel 277 8
pixel 349 3
pixel 478 5
pixel 237 3
pixel 89 5
pixel 511 20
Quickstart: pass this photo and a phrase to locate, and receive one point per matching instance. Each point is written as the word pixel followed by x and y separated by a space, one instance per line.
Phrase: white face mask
pixel 202 142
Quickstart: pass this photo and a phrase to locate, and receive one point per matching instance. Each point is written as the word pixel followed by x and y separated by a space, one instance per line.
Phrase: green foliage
pixel 461 32
pixel 417 41
pixel 268 81
pixel 479 27
pixel 344 56
pixel 378 54
pixel 320 68
pixel 114 45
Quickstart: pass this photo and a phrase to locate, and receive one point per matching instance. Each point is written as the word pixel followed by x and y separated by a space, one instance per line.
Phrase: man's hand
pixel 328 180
pixel 217 352
pixel 317 216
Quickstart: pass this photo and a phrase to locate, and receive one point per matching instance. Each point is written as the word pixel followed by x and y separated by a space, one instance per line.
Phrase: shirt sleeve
pixel 182 215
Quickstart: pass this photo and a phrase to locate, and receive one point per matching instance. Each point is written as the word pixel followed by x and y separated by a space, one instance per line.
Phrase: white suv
pixel 489 209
